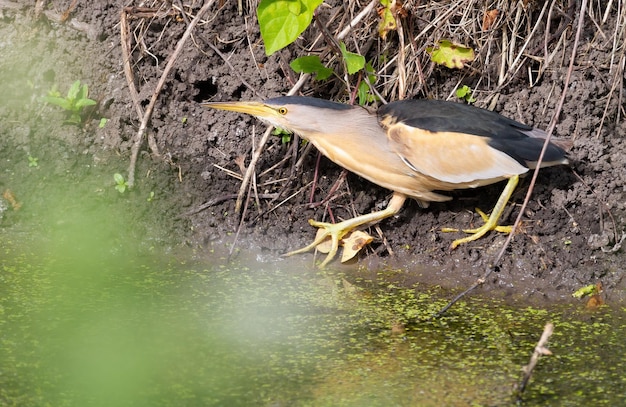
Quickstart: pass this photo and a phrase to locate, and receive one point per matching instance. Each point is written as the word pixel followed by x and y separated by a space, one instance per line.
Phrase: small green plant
pixel 465 93
pixel 54 91
pixel 151 196
pixel 32 161
pixel 313 65
pixel 103 122
pixel 120 183
pixel 285 136
pixel 74 103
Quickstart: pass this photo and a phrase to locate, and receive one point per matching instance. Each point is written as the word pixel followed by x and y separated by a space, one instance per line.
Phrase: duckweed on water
pixel 83 328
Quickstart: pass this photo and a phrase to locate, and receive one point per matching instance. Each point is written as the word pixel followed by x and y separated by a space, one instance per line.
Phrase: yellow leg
pixel 491 222
pixel 337 231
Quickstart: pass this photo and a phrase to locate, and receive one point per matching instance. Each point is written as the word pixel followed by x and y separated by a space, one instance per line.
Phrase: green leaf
pixel 282 21
pixel 54 91
pixel 32 161
pixel 285 136
pixel 58 101
pixel 72 94
pixel 365 94
pixel 450 55
pixel 311 64
pixel 121 183
pixel 371 74
pixel 84 91
pixel 362 93
pixel 80 103
pixel 354 62
pixel 74 118
pixel 387 20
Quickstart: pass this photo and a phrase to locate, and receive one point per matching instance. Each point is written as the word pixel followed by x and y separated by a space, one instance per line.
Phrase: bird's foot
pixel 491 223
pixel 331 235
pixel 335 232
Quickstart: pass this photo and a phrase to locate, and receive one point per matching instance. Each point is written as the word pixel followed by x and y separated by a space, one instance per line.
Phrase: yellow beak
pixel 257 109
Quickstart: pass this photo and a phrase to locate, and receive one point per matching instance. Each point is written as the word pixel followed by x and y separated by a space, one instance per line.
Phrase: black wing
pixel 509 136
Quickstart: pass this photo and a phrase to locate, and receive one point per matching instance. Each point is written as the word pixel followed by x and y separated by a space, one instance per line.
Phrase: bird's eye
pixel 282 110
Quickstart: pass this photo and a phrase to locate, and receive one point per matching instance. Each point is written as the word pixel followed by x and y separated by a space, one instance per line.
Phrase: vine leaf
pixel 354 62
pixel 387 20
pixel 311 64
pixel 282 21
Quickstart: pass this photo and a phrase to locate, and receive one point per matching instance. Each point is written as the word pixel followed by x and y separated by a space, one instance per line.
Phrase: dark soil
pixel 569 226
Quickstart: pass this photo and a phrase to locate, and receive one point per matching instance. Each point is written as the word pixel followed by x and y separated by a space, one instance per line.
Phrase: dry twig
pixel 540 350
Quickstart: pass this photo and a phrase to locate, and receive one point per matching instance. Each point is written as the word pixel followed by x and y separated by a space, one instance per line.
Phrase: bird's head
pixel 302 115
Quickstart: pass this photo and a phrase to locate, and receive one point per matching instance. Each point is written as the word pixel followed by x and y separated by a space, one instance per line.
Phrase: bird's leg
pixel 337 231
pixel 491 221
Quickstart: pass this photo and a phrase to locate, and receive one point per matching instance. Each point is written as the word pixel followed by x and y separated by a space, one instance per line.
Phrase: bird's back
pixel 519 141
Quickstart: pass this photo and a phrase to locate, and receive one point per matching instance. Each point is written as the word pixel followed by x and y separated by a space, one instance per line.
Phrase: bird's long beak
pixel 257 109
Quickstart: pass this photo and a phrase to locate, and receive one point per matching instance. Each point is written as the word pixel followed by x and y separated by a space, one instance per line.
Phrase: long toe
pixel 333 230
pixel 475 234
pixel 319 239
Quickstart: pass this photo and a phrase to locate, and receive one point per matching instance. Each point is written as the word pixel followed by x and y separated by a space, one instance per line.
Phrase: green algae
pixel 152 331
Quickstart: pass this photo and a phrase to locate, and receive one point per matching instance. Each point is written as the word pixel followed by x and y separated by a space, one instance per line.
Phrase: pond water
pixel 91 315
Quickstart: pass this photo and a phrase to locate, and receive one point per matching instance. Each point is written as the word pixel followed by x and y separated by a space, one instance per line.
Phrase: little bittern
pixel 412 147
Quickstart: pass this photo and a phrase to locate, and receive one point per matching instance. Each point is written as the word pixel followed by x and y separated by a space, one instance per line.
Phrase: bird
pixel 416 148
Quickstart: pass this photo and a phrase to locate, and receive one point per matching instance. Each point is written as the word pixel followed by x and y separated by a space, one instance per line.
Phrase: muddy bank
pixel 568 223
